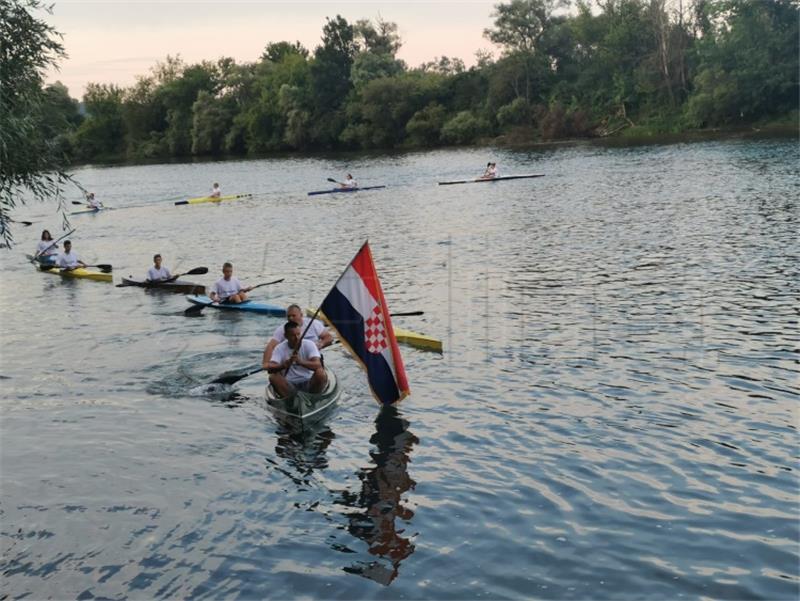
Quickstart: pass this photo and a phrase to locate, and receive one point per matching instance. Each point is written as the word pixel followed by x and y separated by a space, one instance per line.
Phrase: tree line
pixel 565 70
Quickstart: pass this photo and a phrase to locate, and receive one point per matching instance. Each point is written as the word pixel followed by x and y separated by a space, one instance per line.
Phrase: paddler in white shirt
pixel 92 202
pixel 215 191
pixel 68 260
pixel 316 333
pixel 46 251
pixel 157 273
pixel 491 171
pixel 228 289
pixel 296 364
pixel 349 182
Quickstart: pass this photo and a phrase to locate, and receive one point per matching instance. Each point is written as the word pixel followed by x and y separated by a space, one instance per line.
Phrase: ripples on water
pixel 614 416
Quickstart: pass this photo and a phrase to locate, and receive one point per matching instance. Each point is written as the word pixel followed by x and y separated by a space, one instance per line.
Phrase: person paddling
pixel 46 250
pixel 228 289
pixel 68 260
pixel 349 182
pixel 490 172
pixel 157 273
pixel 93 202
pixel 216 192
pixel 296 364
pixel 316 333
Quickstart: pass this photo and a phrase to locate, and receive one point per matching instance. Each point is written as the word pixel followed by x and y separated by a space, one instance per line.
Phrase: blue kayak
pixel 251 306
pixel 337 190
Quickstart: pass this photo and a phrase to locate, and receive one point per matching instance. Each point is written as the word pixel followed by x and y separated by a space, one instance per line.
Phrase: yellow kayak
pixel 80 272
pixel 409 337
pixel 202 199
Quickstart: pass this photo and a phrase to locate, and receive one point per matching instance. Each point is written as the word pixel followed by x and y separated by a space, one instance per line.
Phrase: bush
pixel 464 128
pixel 425 126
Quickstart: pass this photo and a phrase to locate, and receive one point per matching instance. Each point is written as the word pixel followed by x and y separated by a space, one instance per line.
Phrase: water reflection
pixel 303 448
pixel 379 503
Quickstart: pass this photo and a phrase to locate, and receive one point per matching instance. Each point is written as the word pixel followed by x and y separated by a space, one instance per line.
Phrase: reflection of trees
pixel 379 502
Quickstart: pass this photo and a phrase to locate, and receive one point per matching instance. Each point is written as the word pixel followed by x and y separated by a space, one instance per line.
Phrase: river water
pixel 614 415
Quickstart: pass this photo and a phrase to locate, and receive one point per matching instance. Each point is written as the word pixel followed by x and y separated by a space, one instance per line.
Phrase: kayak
pixel 179 286
pixel 337 190
pixel 87 211
pixel 202 199
pixel 493 179
pixel 78 272
pixel 246 306
pixel 417 340
pixel 409 337
pixel 305 407
pixel 42 259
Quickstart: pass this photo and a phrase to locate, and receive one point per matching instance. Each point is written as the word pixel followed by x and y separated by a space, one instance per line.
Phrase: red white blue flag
pixel 356 309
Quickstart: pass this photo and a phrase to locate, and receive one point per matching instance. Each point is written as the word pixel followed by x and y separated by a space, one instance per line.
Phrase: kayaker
pixel 296 364
pixel 215 191
pixel 490 172
pixel 349 182
pixel 68 260
pixel 157 273
pixel 228 289
pixel 46 250
pixel 316 332
pixel 93 202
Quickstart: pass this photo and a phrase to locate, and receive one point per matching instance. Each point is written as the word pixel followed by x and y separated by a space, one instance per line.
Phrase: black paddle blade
pixel 194 311
pixel 77 202
pixel 330 179
pixel 231 377
pixel 104 267
pixel 197 271
pixel 408 314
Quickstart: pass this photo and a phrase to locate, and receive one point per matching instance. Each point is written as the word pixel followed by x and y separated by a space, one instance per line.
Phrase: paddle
pixel 330 179
pixel 195 310
pixel 195 271
pixel 104 267
pixel 22 222
pixel 39 254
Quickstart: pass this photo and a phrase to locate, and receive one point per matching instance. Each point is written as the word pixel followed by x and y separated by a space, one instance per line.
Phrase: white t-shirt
pixel 225 288
pixel 296 374
pixel 69 259
pixel 95 204
pixel 155 275
pixel 351 183
pixel 43 251
pixel 215 193
pixel 313 334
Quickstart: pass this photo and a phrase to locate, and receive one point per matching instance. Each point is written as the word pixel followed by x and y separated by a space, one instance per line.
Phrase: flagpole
pixel 329 291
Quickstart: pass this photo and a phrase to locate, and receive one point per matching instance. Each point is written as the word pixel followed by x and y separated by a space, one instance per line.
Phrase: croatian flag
pixel 357 311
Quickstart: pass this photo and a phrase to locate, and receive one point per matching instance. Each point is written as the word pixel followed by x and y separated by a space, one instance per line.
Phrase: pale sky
pixel 113 41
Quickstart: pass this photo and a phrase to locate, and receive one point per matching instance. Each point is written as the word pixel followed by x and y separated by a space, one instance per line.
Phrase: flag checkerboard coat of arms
pixel 356 309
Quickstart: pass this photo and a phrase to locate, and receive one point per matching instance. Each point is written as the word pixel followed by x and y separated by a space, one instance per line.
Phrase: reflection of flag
pixel 356 309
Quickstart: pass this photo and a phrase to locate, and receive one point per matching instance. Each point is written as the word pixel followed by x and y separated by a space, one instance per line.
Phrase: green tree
pixel 102 134
pixel 31 159
pixel 275 52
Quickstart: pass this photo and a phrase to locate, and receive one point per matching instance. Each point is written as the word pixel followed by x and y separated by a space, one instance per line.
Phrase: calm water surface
pixel 614 416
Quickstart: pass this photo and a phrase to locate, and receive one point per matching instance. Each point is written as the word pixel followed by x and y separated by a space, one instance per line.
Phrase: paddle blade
pixel 77 202
pixel 330 179
pixel 409 314
pixel 194 311
pixel 231 377
pixel 104 267
pixel 197 271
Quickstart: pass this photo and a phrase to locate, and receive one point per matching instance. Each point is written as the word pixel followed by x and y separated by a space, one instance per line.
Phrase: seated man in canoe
pixel 228 289
pixel 316 332
pixel 92 202
pixel 157 273
pixel 296 364
pixel 68 260
pixel 349 182
pixel 216 192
